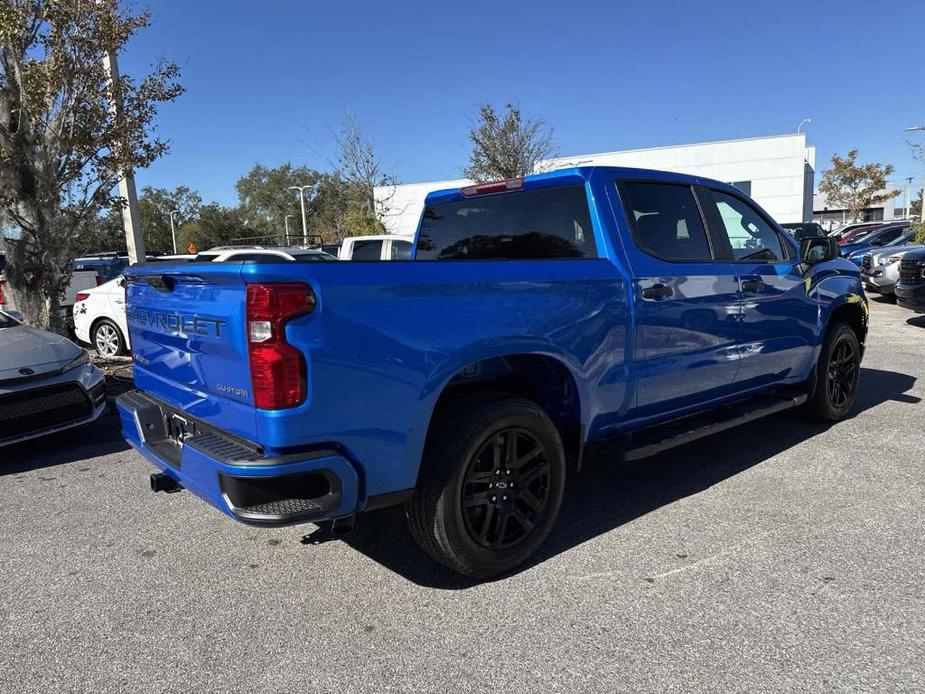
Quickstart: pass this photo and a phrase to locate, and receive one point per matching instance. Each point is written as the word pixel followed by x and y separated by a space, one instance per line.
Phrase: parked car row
pixel 47 383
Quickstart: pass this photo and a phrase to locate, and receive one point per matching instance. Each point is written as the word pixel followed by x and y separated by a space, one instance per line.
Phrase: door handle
pixel 752 286
pixel 657 292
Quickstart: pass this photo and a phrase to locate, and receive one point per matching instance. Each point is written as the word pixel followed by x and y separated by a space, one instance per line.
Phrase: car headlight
pixel 80 360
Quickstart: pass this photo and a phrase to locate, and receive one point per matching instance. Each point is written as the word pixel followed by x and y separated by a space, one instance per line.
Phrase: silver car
pixel 880 268
pixel 47 383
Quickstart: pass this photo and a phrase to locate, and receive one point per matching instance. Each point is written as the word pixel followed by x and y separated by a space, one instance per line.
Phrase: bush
pixel 920 233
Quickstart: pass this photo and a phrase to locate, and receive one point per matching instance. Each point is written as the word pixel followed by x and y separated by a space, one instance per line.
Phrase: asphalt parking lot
pixel 786 556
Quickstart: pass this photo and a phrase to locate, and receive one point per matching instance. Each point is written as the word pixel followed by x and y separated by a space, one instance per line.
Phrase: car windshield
pixel 903 239
pixel 312 257
pixel 6 321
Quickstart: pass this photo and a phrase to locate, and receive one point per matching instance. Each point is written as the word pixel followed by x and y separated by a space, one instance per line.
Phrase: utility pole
pixel 173 231
pixel 131 219
pixel 922 211
pixel 301 190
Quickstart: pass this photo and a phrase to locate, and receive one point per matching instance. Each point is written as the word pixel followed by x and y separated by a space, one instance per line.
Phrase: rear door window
pixel 523 225
pixel 367 250
pixel 666 221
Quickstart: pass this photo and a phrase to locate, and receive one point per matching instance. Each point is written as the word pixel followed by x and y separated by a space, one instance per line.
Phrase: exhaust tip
pixel 164 483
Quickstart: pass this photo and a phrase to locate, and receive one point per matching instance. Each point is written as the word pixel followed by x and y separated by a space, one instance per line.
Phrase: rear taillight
pixel 493 187
pixel 81 296
pixel 277 368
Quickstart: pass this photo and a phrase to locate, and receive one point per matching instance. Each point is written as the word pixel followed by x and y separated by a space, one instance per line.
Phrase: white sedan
pixel 99 313
pixel 99 318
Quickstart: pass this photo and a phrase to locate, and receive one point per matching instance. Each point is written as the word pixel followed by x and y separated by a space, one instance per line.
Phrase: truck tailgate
pixel 187 326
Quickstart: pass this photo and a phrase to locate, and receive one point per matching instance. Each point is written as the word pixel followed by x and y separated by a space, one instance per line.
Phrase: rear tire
pixel 837 373
pixel 107 339
pixel 490 487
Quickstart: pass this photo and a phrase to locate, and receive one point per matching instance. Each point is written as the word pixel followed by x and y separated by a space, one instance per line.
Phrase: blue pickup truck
pixel 632 308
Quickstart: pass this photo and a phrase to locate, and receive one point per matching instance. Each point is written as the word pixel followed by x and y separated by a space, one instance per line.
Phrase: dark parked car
pixel 805 230
pixel 910 291
pixel 878 236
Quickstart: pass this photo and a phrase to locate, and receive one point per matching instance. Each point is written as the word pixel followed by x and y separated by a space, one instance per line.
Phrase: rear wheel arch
pixel 543 379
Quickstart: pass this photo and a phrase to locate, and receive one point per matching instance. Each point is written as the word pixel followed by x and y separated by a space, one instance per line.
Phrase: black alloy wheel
pixel 505 488
pixel 842 373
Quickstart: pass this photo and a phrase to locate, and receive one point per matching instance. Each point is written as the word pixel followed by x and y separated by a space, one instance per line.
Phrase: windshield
pixel 312 257
pixel 899 241
pixel 6 321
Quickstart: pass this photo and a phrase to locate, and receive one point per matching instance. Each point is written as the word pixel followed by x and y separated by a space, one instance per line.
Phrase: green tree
pixel 507 145
pixel 265 199
pixel 103 232
pixel 62 147
pixel 154 208
pixel 215 226
pixel 856 187
pixel 334 207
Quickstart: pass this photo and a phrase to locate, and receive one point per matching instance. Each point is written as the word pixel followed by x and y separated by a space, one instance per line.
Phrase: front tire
pixel 490 487
pixel 837 374
pixel 107 339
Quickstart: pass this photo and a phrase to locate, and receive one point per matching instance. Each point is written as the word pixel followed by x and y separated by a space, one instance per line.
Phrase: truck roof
pixel 575 175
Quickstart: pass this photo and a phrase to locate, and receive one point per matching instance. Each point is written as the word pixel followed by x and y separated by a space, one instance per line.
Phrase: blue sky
pixel 268 81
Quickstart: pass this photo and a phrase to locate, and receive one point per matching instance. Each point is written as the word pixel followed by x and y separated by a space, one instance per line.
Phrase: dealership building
pixel 777 171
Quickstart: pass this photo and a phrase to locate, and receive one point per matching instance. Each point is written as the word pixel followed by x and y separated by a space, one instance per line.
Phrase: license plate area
pixel 179 429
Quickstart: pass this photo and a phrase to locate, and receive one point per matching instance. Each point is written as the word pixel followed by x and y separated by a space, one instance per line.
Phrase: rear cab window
pixel 524 225
pixel 367 250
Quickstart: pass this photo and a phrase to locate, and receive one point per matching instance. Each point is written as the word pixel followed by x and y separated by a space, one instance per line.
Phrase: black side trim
pixel 378 501
pixel 661 437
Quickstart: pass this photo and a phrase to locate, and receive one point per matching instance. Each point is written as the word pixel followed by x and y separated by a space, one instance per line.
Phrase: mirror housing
pixel 818 249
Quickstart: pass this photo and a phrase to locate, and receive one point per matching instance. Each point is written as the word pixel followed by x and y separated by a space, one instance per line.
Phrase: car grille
pixel 868 261
pixel 34 410
pixel 910 272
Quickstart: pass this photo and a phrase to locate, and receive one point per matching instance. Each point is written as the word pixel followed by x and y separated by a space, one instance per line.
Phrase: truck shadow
pixel 102 437
pixel 604 495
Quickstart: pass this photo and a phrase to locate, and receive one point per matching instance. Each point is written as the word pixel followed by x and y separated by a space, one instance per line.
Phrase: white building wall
pixel 776 167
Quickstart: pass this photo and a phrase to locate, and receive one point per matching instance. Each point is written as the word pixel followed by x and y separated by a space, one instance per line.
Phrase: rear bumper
pixel 236 476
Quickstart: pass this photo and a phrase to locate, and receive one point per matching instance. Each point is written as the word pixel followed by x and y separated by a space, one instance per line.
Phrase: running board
pixel 652 440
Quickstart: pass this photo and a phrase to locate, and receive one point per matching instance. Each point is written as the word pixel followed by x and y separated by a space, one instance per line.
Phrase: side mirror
pixel 15 315
pixel 818 249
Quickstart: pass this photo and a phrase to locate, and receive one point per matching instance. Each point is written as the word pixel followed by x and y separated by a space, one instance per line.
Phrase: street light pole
pixel 173 231
pixel 301 190
pixel 805 121
pixel 286 220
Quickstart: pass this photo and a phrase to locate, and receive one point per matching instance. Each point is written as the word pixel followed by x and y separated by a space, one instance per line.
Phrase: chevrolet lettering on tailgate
pixel 176 323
